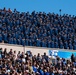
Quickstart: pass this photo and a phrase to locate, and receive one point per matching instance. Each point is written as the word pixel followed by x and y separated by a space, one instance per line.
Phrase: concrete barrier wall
pixel 34 50
pixel 41 50
pixel 13 47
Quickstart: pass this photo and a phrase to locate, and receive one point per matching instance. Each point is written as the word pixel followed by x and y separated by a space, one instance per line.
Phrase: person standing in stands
pixel 45 57
pixel 0 37
pixel 72 58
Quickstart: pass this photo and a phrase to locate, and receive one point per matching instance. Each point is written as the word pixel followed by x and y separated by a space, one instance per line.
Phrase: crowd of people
pixel 38 29
pixel 12 63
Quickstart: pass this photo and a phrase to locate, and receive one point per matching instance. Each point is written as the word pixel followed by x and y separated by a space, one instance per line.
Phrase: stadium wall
pixel 13 47
pixel 35 50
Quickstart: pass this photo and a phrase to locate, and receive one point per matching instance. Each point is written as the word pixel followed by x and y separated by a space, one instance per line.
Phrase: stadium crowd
pixel 12 63
pixel 38 29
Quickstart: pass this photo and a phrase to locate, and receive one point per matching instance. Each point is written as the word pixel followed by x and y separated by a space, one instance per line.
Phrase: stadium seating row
pixel 12 63
pixel 38 29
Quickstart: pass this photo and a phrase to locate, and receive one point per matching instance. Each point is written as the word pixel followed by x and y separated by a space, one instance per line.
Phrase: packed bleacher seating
pixel 12 63
pixel 38 29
